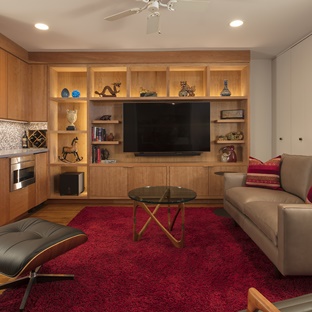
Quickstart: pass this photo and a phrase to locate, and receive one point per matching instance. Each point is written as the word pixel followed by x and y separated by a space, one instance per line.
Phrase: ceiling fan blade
pixel 123 14
pixel 207 1
pixel 153 23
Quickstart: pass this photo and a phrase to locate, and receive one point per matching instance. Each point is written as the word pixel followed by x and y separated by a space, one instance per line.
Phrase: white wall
pixel 261 109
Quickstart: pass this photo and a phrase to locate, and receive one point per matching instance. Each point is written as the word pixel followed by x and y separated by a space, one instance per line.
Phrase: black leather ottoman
pixel 27 244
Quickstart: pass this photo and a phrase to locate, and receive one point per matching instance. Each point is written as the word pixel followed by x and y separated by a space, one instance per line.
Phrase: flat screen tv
pixel 166 128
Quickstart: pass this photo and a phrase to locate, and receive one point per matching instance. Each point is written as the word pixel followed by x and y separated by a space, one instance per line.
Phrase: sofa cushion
pixel 264 215
pixel 241 195
pixel 265 175
pixel 296 177
pixel 309 196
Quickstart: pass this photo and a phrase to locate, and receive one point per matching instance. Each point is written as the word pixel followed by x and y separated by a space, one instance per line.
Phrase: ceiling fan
pixel 153 6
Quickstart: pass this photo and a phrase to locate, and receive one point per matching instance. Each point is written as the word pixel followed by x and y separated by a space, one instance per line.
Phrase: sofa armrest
pixel 295 239
pixel 234 179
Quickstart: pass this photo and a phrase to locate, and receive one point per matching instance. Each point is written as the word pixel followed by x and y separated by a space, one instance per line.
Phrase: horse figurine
pixel 73 149
pixel 113 92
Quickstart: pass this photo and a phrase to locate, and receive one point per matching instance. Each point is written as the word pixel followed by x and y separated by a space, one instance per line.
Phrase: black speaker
pixel 71 183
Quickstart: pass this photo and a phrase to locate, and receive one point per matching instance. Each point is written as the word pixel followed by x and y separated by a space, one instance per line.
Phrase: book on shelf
pixel 98 154
pixel 98 134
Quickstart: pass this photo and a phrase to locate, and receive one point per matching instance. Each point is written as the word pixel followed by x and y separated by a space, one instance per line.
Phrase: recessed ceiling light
pixel 236 23
pixel 41 26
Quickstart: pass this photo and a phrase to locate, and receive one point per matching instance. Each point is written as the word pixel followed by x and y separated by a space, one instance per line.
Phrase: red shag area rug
pixel 113 273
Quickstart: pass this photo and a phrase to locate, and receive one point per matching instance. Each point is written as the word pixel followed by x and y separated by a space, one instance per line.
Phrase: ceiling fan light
pixel 153 6
pixel 41 26
pixel 236 23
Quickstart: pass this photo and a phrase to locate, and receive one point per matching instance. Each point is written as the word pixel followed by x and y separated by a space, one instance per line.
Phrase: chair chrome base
pixel 34 278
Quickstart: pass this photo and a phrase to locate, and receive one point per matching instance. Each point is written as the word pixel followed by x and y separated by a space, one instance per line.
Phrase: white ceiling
pixel 270 26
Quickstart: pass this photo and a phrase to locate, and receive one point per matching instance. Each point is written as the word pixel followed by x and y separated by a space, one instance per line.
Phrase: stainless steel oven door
pixel 22 172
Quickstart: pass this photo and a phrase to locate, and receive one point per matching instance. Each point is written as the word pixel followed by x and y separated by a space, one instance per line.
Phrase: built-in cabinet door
pixel 146 176
pixel 108 182
pixel 191 177
pixel 216 179
pixel 41 177
pixel 282 105
pixel 38 93
pixel 4 190
pixel 22 200
pixel 301 77
pixel 292 105
pixel 18 89
pixel 3 85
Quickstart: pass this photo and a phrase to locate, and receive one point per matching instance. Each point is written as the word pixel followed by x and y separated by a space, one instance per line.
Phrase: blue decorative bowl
pixel 75 93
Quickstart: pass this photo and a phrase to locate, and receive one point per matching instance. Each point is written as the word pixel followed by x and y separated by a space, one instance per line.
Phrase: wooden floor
pixel 58 213
pixel 63 213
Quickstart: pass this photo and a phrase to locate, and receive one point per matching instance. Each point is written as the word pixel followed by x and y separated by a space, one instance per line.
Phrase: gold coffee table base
pixel 138 235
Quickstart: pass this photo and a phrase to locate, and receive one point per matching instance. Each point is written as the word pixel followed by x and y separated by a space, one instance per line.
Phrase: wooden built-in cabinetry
pixel 23 89
pixel 16 203
pixel 114 180
pixel 4 190
pixel 18 88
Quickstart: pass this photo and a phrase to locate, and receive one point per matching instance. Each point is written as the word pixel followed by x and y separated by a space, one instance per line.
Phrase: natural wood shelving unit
pixel 195 172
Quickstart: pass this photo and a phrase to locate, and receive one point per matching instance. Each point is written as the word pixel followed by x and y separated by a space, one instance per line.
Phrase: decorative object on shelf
pixel 104 154
pixel 146 93
pixel 232 114
pixel 71 115
pixel 228 154
pixel 222 138
pixel 186 90
pixel 106 117
pixel 235 136
pixel 65 93
pixel 110 137
pixel 75 94
pixel 73 149
pixel 225 91
pixel 113 92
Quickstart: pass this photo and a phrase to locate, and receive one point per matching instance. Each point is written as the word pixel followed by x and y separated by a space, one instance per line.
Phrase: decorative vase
pixel 71 117
pixel 225 91
pixel 65 93
pixel 75 94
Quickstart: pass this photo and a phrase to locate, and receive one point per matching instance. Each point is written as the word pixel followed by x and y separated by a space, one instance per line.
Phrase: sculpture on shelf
pixel 106 117
pixel 146 93
pixel 71 117
pixel 231 136
pixel 228 154
pixel 73 149
pixel 235 136
pixel 104 154
pixel 113 91
pixel 110 137
pixel 186 90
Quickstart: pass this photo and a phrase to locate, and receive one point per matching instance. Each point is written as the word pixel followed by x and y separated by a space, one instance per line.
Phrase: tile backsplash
pixel 11 133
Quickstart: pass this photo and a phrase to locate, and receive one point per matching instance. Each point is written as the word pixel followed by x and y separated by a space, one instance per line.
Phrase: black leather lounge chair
pixel 257 302
pixel 26 245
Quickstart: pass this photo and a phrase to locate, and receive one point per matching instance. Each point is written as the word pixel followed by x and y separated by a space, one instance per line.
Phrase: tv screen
pixel 166 128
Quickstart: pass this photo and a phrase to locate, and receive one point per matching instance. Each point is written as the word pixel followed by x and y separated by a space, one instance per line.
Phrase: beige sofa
pixel 278 221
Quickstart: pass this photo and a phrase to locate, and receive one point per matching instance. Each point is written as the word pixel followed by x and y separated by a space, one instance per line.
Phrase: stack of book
pixel 98 134
pixel 99 153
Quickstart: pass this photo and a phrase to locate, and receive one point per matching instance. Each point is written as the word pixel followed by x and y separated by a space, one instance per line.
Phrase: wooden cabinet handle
pixel 300 139
pixel 281 139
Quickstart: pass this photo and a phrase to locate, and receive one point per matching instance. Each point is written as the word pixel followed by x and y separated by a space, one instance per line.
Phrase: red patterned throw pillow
pixel 265 175
pixel 309 196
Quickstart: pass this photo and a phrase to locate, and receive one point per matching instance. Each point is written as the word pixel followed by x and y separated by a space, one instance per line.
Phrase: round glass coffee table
pixel 160 196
